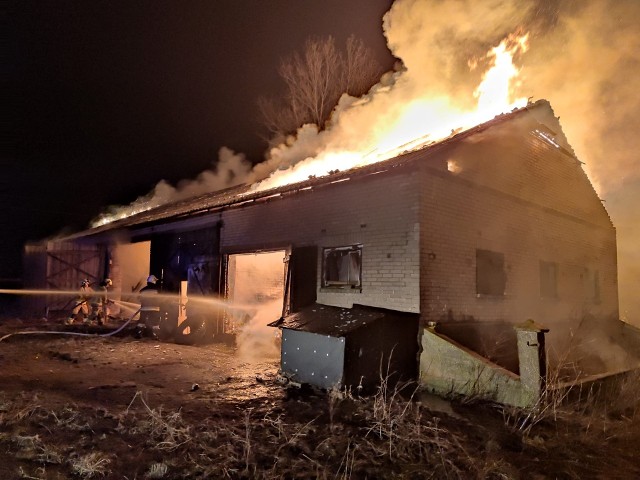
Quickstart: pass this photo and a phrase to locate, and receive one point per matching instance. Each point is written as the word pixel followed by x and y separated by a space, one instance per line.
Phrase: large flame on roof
pixel 419 122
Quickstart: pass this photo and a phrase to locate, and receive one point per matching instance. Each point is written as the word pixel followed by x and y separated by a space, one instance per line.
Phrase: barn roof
pixel 245 195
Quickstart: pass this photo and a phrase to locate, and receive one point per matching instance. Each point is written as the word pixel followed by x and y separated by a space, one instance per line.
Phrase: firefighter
pixel 100 305
pixel 150 312
pixel 82 302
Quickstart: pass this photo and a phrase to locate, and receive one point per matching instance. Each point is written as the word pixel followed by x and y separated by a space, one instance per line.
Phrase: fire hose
pixel 78 334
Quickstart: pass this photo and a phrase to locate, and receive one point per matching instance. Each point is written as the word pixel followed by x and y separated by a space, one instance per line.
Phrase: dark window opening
pixel 548 279
pixel 342 267
pixel 491 278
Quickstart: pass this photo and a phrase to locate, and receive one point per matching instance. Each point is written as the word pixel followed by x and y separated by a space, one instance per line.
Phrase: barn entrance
pixel 255 291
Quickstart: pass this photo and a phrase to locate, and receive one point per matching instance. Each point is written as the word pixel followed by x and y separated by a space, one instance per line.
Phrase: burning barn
pixel 471 235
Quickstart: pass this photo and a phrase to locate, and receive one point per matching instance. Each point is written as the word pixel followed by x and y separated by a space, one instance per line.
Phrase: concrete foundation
pixel 449 369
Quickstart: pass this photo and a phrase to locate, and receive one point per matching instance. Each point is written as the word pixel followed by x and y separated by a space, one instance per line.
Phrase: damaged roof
pixel 246 194
pixel 333 321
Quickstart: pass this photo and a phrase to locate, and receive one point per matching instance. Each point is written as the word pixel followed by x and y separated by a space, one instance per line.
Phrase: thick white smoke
pixel 230 169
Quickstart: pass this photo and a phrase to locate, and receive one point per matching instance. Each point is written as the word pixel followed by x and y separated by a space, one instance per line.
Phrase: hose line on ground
pixel 78 334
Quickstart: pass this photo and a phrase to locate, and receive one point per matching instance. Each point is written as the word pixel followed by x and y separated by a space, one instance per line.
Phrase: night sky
pixel 107 98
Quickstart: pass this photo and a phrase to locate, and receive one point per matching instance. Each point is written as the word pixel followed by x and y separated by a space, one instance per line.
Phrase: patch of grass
pixel 40 472
pixel 590 413
pixel 157 470
pixel 167 431
pixel 91 465
pixel 335 435
pixel 26 442
pixel 49 455
pixel 70 418
pixel 31 409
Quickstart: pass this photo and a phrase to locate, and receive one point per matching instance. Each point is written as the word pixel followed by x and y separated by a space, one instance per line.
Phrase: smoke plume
pixel 230 169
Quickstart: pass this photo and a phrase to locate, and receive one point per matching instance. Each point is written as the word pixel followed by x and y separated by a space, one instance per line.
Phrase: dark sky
pixel 106 98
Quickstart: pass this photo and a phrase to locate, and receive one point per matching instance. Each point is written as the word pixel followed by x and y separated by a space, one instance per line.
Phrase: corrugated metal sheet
pixel 326 320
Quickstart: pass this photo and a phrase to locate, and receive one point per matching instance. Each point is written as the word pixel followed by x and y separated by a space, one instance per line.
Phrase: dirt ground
pixel 120 407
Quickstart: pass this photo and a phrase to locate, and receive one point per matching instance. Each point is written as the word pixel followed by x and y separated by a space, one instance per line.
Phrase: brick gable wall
pixel 525 198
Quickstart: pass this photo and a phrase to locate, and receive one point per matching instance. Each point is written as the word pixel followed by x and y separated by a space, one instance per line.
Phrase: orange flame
pixel 421 121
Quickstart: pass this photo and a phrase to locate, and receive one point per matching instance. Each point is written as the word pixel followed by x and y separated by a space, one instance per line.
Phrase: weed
pixel 5 405
pixel 33 409
pixel 27 442
pixel 345 469
pixel 90 465
pixel 48 454
pixel 247 438
pixel 71 419
pixel 41 472
pixel 157 470
pixel 167 431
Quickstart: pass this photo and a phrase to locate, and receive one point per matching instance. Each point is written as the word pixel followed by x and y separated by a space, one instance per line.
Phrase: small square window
pixel 548 279
pixel 491 278
pixel 342 267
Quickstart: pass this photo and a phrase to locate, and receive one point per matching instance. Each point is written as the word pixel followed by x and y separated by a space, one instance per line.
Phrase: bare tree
pixel 315 79
pixel 361 69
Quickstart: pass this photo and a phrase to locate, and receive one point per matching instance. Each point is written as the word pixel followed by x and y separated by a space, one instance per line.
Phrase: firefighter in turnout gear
pixel 100 304
pixel 150 311
pixel 82 303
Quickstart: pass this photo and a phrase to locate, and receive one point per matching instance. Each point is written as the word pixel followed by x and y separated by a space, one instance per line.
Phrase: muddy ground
pixel 124 408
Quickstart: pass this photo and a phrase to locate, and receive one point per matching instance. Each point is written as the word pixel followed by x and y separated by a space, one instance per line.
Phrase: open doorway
pixel 255 290
pixel 129 271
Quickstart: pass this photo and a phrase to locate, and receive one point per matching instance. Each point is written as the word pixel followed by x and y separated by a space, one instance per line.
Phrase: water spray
pixel 135 307
pixel 17 291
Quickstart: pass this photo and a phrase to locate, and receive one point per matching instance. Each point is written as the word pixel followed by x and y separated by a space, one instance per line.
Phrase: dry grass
pixel 165 431
pixel 330 436
pixel 592 405
pixel 91 465
pixel 157 470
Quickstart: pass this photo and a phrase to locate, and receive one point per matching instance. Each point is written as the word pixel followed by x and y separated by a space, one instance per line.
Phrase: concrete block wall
pixel 379 211
pixel 541 207
pixel 449 369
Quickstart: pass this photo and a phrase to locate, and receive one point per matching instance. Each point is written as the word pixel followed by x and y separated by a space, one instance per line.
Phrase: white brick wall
pixel 380 212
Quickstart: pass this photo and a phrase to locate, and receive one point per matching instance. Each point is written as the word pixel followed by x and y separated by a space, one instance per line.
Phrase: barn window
pixel 548 279
pixel 490 275
pixel 342 267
